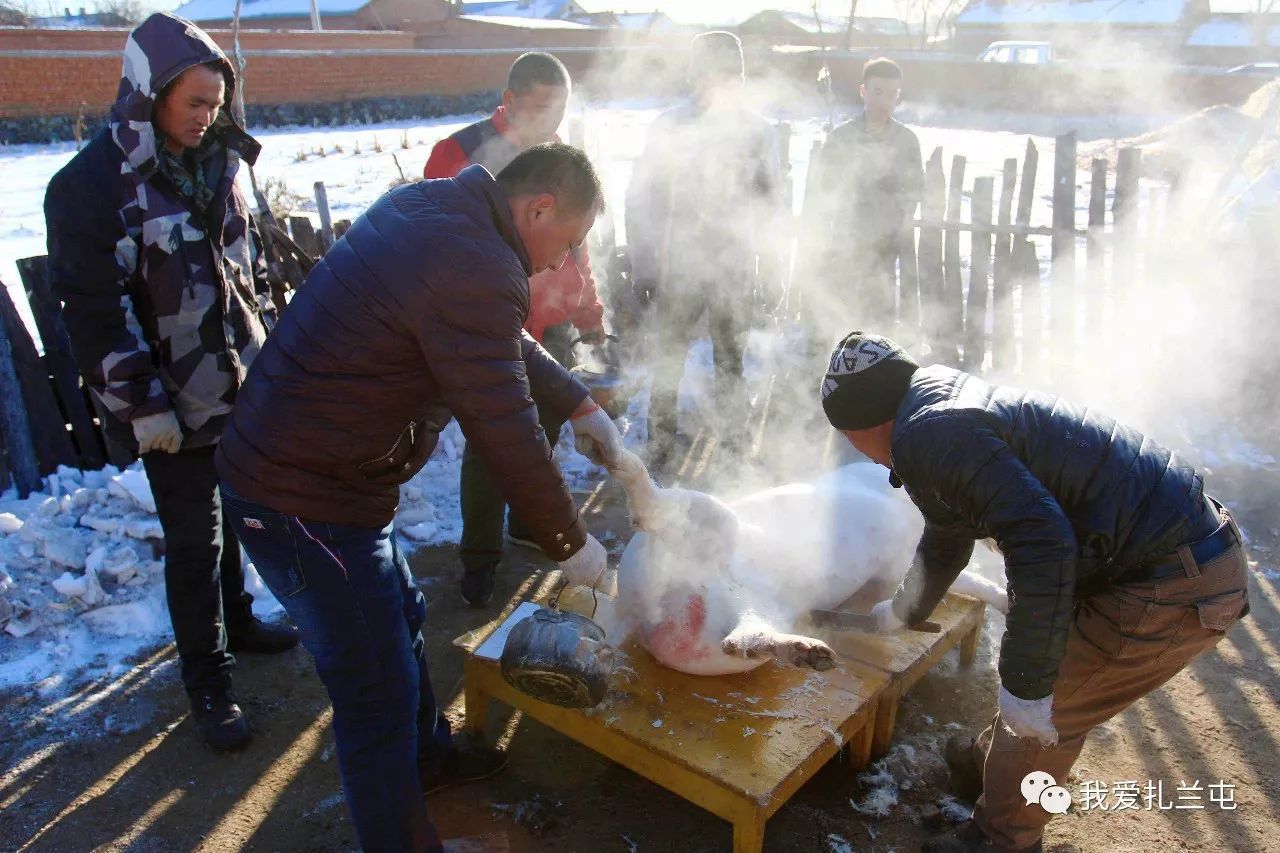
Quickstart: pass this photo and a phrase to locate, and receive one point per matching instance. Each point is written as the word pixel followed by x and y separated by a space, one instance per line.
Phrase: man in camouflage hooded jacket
pixel 156 260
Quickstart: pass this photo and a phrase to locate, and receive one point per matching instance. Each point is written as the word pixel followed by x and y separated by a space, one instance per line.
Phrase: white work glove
pixel 587 567
pixel 597 438
pixel 1029 718
pixel 158 432
pixel 886 620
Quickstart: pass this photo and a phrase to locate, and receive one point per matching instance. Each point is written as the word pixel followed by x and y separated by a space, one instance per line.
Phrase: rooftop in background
pixel 224 10
pixel 525 9
pixel 1042 12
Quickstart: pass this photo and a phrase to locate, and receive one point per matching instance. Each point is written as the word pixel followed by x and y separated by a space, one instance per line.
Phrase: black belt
pixel 1187 559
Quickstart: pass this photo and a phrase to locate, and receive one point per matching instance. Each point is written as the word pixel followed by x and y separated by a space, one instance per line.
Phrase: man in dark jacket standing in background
pixel 703 216
pixel 866 184
pixel 532 108
pixel 414 317
pixel 155 258
pixel 1120 569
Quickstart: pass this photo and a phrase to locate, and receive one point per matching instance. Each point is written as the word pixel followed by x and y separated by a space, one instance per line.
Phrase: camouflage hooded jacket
pixel 165 306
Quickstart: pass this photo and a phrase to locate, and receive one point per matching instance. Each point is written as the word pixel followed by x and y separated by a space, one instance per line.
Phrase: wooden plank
pixel 1124 215
pixel 326 219
pixel 1002 339
pixel 909 286
pixel 1095 268
pixel 45 420
pixel 975 317
pixel 1025 267
pixel 304 234
pixel 929 257
pixel 89 450
pixel 1027 192
pixel 15 428
pixel 1062 272
pixel 1026 272
pixel 952 331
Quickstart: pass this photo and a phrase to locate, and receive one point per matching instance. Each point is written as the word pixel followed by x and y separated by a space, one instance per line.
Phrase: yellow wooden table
pixel 906 655
pixel 738 746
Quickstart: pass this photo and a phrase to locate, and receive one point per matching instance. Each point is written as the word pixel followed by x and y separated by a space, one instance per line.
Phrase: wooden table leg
pixel 860 745
pixel 969 645
pixel 748 834
pixel 476 700
pixel 886 719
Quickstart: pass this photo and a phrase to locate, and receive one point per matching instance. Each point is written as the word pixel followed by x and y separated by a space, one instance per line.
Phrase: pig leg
pixel 753 638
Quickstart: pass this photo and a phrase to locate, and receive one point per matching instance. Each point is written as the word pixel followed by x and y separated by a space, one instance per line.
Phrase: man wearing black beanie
pixel 1120 569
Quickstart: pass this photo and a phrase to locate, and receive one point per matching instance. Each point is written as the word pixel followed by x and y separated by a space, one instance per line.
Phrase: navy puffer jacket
pixel 413 317
pixel 1075 501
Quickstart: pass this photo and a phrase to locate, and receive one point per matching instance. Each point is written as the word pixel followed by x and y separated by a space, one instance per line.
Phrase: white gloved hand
pixel 1029 718
pixel 160 431
pixel 597 438
pixel 587 566
pixel 886 620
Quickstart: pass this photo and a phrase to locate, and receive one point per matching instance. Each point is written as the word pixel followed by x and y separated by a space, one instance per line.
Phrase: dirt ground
pixel 122 768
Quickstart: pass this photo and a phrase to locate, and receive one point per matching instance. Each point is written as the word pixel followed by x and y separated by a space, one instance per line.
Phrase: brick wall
pixel 70 72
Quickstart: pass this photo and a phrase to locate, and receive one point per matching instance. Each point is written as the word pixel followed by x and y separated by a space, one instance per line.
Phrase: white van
pixel 1018 52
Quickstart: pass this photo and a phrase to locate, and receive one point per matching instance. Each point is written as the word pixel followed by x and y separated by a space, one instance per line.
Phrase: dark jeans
pixel 360 613
pixel 483 507
pixel 677 316
pixel 204 581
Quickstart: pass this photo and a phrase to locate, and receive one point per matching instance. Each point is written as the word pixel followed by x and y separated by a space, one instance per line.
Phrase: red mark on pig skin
pixel 678 639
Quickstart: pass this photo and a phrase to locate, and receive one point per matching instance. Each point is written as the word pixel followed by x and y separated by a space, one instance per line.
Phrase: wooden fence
pixel 47 415
pixel 1007 315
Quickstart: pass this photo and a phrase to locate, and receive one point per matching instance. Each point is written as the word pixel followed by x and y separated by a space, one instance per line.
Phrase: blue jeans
pixel 349 591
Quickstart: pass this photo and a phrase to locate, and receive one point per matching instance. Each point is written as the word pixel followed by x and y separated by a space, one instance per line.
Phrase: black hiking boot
pixel 222 724
pixel 468 760
pixel 966 771
pixel 968 838
pixel 477 586
pixel 262 638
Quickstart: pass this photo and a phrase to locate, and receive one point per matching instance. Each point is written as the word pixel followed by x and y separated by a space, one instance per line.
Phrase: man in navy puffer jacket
pixel 1120 569
pixel 413 317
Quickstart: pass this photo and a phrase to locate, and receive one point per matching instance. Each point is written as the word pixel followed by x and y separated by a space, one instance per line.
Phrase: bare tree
pixel 848 29
pixel 12 15
pixel 129 11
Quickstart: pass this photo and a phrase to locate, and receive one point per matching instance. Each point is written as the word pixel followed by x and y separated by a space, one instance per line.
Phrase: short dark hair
pixel 881 66
pixel 536 67
pixel 716 54
pixel 555 168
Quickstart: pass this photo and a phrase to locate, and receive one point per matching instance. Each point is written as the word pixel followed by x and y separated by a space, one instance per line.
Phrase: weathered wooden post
pixel 930 252
pixel 952 281
pixel 1003 354
pixel 975 315
pixel 1094 301
pixel 326 220
pixel 1124 213
pixel 15 428
pixel 304 234
pixel 1062 274
pixel 60 364
pixel 1026 267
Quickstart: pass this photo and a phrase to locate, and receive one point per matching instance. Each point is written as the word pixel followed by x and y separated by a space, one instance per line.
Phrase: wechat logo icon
pixel 1039 788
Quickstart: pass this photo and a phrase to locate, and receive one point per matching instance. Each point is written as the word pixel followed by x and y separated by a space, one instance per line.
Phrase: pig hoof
pixel 806 651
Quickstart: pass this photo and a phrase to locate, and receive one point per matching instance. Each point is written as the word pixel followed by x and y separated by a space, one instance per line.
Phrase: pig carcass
pixel 711 588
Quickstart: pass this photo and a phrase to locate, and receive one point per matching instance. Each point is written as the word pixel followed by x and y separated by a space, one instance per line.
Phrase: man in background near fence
pixel 413 318
pixel 705 231
pixel 154 255
pixel 866 184
pixel 532 108
pixel 1121 570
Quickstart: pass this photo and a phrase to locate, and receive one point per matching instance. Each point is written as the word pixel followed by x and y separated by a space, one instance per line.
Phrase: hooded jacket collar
pixel 157 51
